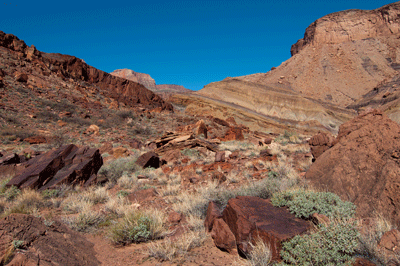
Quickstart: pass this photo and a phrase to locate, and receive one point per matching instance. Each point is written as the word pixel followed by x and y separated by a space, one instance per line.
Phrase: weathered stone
pixel 390 240
pixel 320 143
pixel 220 177
pixel 266 153
pixel 120 152
pixel 363 262
pixel 149 159
pixel 68 164
pixel 220 156
pixel 174 217
pixel 36 140
pixel 234 133
pixel 223 236
pixel 143 195
pixel 200 128
pixel 213 213
pixel 361 167
pixel 93 129
pixel 107 148
pixel 9 159
pixel 44 245
pixel 21 77
pixel 221 122
pixel 136 144
pixel 253 217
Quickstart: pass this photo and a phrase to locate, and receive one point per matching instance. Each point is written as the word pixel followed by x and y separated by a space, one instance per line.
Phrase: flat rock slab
pixel 250 218
pixel 51 244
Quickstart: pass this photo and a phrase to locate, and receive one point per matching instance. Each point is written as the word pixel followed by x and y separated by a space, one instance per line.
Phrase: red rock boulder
pixel 363 166
pixel 251 218
pixel 149 159
pixel 68 164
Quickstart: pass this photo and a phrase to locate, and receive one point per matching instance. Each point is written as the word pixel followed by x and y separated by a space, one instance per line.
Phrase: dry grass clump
pixel 369 238
pixel 138 226
pixel 77 202
pixel 85 220
pixel 168 250
pixel 117 205
pixel 234 145
pixel 260 254
pixel 128 181
pixel 170 190
pixel 28 202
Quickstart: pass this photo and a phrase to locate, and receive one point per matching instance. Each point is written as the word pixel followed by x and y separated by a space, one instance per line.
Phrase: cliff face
pixel 347 61
pixel 141 78
pixel 74 69
pixel 351 25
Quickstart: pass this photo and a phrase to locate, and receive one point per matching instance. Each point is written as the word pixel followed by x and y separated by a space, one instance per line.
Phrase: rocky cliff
pixel 347 61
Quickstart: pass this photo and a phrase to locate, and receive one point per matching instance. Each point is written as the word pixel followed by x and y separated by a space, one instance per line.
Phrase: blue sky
pixel 189 43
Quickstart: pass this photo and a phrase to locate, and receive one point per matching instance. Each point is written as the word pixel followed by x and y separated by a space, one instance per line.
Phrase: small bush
pixel 28 202
pixel 138 227
pixel 330 245
pixel 115 169
pixel 11 193
pixel 305 203
pixel 50 193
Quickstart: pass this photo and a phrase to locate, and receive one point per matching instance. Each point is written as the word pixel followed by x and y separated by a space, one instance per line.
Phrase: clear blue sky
pixel 189 43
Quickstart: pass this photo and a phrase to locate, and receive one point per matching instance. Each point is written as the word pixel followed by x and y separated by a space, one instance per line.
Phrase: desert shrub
pixel 85 220
pixel 47 116
pixel 77 121
pixel 77 202
pixel 124 114
pixel 137 227
pixel 115 169
pixel 14 133
pixel 168 249
pixel 127 181
pixel 117 205
pixel 304 203
pixel 10 193
pixel 122 193
pixel 332 244
pixel 51 193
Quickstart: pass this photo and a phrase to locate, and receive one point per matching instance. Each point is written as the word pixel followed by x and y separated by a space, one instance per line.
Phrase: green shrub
pixel 50 193
pixel 305 203
pixel 115 169
pixel 11 193
pixel 330 245
pixel 137 227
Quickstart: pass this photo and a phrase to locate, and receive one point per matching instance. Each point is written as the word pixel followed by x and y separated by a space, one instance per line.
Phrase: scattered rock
pixel 21 77
pixel 220 156
pixel 266 153
pixel 68 164
pixel 391 240
pixel 8 159
pixel 36 140
pixel 120 152
pixel 174 217
pixel 234 133
pixel 143 195
pixel 221 122
pixel 93 129
pixel 136 144
pixel 107 147
pixel 149 159
pixel 320 143
pixel 200 129
pixel 44 245
pixel 363 262
pixel 65 114
pixel 61 123
pixel 220 177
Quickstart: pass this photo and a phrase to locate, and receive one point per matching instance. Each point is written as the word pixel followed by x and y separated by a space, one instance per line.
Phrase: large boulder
pixel 43 243
pixel 364 165
pixel 68 164
pixel 320 143
pixel 251 218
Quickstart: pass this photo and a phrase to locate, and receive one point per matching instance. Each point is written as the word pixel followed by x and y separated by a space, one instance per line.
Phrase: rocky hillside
pixel 346 61
pixel 164 90
pixel 26 66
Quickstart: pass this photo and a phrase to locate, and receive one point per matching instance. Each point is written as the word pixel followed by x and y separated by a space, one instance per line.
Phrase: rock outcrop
pixel 68 164
pixel 43 244
pixel 250 218
pixel 164 90
pixel 141 78
pixel 363 166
